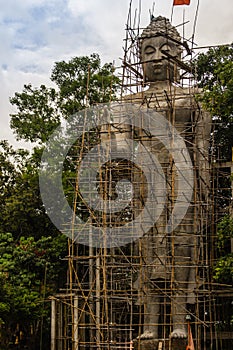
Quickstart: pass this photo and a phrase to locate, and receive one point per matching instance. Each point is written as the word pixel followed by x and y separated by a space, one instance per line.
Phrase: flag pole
pixel 195 22
pixel 172 11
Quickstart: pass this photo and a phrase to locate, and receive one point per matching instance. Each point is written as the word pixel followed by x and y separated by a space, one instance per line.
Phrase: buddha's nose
pixel 157 56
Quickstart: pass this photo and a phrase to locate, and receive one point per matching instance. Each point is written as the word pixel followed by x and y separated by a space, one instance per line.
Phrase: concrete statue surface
pixel 171 257
pixel 168 277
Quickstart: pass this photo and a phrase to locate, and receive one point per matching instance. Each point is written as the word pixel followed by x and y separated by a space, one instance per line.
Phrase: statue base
pixel 179 344
pixel 145 344
pixel 156 344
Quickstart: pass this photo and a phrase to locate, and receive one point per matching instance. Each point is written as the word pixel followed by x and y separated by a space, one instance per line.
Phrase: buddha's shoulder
pixel 134 97
pixel 177 93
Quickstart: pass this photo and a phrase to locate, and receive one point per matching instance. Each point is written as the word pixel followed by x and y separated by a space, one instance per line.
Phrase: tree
pixel 80 82
pixel 38 113
pixel 22 210
pixel 29 273
pixel 223 271
pixel 31 247
pixel 83 82
pixel 215 76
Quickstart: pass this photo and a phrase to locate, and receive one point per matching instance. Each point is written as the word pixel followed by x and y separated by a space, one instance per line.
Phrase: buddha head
pixel 158 42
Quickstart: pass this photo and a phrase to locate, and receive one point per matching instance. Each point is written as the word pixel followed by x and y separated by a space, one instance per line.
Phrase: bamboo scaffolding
pixel 99 308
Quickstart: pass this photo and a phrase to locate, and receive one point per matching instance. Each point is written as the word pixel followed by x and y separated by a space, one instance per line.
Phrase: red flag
pixel 181 2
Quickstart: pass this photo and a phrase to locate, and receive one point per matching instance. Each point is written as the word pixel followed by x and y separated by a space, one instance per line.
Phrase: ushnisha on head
pixel 159 42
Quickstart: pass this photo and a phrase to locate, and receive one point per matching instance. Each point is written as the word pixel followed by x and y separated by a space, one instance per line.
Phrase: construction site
pixel 144 279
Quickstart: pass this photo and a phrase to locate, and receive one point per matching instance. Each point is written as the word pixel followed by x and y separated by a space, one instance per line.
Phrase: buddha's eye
pixel 165 47
pixel 149 50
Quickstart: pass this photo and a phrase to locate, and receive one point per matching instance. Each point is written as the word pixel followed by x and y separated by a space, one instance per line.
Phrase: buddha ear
pixel 179 50
pixel 145 79
pixel 139 48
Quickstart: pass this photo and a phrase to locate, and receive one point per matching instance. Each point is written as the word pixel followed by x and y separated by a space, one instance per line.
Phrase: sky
pixel 34 34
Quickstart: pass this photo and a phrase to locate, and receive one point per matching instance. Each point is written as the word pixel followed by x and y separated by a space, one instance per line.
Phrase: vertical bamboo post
pixel 53 324
pixel 98 301
pixel 60 325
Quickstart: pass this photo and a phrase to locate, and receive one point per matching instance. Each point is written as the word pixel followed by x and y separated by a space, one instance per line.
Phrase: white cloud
pixel 215 22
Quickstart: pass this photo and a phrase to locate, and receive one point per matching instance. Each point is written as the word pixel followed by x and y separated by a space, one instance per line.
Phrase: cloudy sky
pixel 36 33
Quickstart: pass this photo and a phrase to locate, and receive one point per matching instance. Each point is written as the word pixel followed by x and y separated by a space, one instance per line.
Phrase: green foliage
pixel 83 82
pixel 224 233
pixel 30 266
pixel 223 271
pixel 22 211
pixel 209 65
pixel 215 77
pixel 80 82
pixel 11 163
pixel 38 113
pixel 29 273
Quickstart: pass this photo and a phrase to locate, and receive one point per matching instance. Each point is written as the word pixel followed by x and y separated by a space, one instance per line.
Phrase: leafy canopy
pixel 80 82
pixel 215 76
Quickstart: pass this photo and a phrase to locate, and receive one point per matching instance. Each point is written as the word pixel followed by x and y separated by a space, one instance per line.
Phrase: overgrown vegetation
pixel 31 248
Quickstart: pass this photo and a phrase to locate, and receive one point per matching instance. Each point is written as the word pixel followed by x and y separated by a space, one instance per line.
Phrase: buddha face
pixel 157 66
